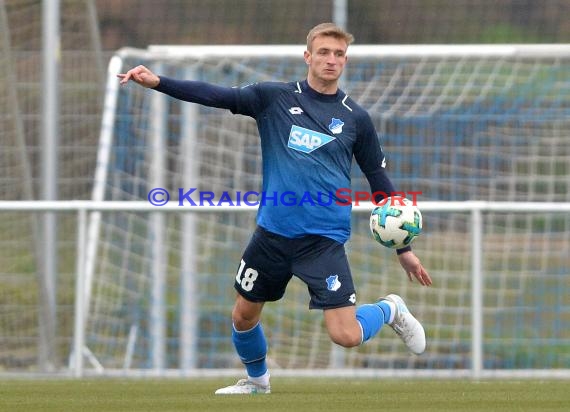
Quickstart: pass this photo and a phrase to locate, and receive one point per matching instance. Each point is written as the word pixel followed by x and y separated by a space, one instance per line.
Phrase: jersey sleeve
pixel 254 98
pixel 248 100
pixel 370 158
pixel 199 92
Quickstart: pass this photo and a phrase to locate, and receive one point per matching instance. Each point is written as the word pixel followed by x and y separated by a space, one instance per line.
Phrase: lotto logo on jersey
pixel 306 140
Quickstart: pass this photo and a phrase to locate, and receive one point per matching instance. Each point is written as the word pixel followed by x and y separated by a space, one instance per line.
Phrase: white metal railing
pixel 474 208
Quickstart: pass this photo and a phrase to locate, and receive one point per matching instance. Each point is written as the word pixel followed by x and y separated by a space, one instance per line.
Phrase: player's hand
pixel 414 268
pixel 140 75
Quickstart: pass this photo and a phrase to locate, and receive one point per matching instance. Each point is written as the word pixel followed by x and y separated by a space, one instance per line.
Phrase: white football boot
pixel 408 328
pixel 244 387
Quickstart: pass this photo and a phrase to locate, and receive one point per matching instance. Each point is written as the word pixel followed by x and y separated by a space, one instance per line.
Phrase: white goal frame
pixel 88 213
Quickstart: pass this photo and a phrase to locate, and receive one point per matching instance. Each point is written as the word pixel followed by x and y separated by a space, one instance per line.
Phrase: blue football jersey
pixel 308 140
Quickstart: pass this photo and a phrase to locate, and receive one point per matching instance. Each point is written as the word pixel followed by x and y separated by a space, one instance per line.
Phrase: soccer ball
pixel 396 225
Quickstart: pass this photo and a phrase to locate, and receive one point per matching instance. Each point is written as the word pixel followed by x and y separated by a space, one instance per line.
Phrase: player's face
pixel 326 60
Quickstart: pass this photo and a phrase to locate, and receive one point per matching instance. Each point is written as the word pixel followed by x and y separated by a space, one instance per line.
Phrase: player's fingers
pixel 420 279
pixel 133 74
pixel 418 275
pixel 124 77
pixel 426 280
pixel 130 75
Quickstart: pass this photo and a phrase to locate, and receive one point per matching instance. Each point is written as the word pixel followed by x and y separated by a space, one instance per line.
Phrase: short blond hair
pixel 328 29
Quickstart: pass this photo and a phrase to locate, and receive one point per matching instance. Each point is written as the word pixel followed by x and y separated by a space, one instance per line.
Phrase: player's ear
pixel 307 56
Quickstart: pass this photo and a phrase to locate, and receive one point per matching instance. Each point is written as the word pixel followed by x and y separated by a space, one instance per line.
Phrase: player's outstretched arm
pixel 140 75
pixel 414 268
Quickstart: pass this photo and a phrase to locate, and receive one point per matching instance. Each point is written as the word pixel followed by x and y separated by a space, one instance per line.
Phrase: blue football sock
pixel 386 309
pixel 251 347
pixel 371 318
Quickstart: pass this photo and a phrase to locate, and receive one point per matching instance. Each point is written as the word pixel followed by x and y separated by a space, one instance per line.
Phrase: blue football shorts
pixel 270 260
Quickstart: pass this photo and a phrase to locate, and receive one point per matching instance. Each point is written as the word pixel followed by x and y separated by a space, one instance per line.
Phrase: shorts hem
pixel 340 305
pixel 253 298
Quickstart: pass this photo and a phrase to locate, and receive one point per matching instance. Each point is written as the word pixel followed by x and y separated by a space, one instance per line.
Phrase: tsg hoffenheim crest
pixel 336 126
pixel 333 283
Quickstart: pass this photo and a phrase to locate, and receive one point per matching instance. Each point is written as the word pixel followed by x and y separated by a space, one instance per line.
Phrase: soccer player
pixel 309 131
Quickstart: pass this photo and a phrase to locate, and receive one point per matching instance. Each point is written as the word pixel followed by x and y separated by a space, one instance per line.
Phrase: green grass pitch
pixel 292 395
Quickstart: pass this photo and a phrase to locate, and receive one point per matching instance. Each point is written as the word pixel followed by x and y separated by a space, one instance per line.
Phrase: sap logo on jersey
pixel 306 140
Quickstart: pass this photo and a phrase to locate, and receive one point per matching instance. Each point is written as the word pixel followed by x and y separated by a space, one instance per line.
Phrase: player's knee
pixel 242 324
pixel 245 315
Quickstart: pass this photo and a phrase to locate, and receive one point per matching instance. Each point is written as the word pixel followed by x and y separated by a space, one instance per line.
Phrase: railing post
pixel 476 292
pixel 80 309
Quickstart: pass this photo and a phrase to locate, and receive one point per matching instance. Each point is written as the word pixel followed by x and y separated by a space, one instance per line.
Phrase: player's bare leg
pixel 246 314
pixel 342 326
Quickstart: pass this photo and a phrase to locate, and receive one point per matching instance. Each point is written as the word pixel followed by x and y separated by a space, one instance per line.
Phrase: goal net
pixel 456 122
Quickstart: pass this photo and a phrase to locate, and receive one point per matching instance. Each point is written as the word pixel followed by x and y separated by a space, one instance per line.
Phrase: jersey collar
pixel 305 88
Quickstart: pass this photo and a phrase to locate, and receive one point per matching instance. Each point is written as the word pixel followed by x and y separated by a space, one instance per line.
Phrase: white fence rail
pixel 476 209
